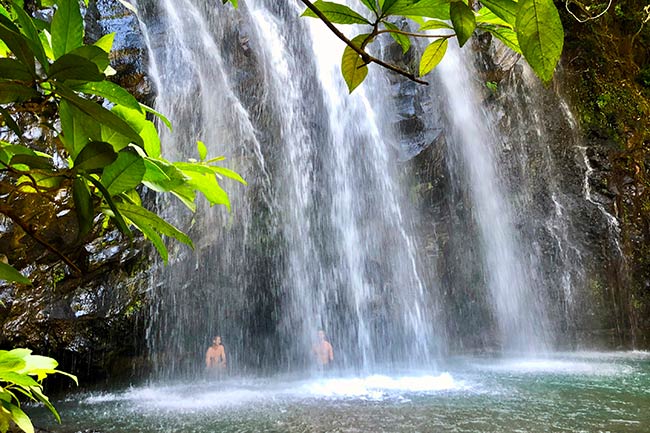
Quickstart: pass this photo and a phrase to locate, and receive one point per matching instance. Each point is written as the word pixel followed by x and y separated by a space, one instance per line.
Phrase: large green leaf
pixel 424 8
pixel 540 35
pixel 504 9
pixel 106 42
pixel 157 114
pixel 100 114
pixel 17 43
pixel 14 92
pixel 83 204
pixel 486 16
pixel 111 91
pixel 154 221
pixel 162 176
pixel 432 55
pixel 74 67
pixel 95 54
pixel 33 38
pixel 370 4
pixel 145 128
pixel 77 128
pixel 94 157
pixel 434 25
pixel 207 184
pixel 226 172
pixel 12 69
pixel 21 419
pixel 353 67
pixel 10 361
pixel 18 379
pixel 336 13
pixel 124 174
pixel 144 225
pixel 462 17
pixel 67 28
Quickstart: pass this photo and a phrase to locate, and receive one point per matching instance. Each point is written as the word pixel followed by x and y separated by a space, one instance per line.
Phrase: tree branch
pixel 367 58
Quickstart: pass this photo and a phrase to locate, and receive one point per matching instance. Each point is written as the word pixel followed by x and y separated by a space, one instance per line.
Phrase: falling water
pixel 321 237
pixel 509 275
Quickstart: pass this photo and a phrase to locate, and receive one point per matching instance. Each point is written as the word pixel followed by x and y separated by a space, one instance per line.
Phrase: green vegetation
pixel 105 147
pixel 22 373
pixel 529 27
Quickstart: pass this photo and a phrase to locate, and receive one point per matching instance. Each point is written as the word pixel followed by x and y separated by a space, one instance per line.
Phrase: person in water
pixel 215 357
pixel 323 351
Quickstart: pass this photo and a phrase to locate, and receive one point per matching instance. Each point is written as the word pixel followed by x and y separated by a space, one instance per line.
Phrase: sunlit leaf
pixel 67 28
pixel 432 55
pixel 124 174
pixel 353 67
pixel 106 42
pixel 434 25
pixel 111 91
pixel 424 8
pixel 157 114
pixel 540 35
pixel 21 419
pixel 505 35
pixel 401 39
pixel 203 151
pixel 10 361
pixel 154 221
pixel 504 9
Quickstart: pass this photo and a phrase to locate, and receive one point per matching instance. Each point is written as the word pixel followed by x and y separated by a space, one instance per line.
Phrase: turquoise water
pixel 577 392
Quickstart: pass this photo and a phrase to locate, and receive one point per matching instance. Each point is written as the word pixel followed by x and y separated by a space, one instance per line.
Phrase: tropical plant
pixel 105 145
pixel 529 27
pixel 22 374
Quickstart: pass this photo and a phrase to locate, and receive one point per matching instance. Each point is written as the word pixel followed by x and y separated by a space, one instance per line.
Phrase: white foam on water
pixel 558 366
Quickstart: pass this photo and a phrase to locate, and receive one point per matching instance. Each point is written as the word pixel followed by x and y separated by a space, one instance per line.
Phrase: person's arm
pixel 207 359
pixel 330 353
pixel 223 356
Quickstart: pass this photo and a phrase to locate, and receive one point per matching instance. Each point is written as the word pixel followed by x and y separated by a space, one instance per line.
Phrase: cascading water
pixel 321 237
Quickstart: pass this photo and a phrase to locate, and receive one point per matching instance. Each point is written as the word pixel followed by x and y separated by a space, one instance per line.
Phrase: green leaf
pixel 94 157
pixel 12 69
pixel 18 379
pixel 77 128
pixel 10 361
pixel 154 221
pixel 229 174
pixel 505 35
pixel 434 25
pixel 124 174
pixel 145 128
pixel 46 401
pixel 21 419
pixel 162 176
pixel 9 121
pixel 401 39
pixel 203 151
pixel 386 5
pixel 14 92
pixel 462 17
pixel 67 28
pixel 504 9
pixel 157 114
pixel 32 161
pixel 486 16
pixel 424 8
pixel 353 67
pixel 336 13
pixel 101 115
pixel 432 55
pixel 106 42
pixel 74 67
pixel 83 204
pixel 33 38
pixel 17 43
pixel 540 35
pixel 95 54
pixel 143 224
pixel 207 184
pixel 111 91
pixel 115 214
pixel 187 195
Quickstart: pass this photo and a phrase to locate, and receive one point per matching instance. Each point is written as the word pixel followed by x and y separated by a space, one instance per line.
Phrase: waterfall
pixel 323 236
pixel 326 234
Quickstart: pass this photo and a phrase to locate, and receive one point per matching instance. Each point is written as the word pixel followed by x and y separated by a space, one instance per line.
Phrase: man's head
pixel 217 340
pixel 321 335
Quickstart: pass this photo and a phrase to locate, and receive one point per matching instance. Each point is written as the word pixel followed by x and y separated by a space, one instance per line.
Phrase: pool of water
pixel 576 392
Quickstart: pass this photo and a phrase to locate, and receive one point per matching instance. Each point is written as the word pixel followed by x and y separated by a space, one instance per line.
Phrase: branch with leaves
pixel 531 28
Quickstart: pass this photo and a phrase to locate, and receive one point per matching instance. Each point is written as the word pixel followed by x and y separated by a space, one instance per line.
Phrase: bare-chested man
pixel 215 357
pixel 323 351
